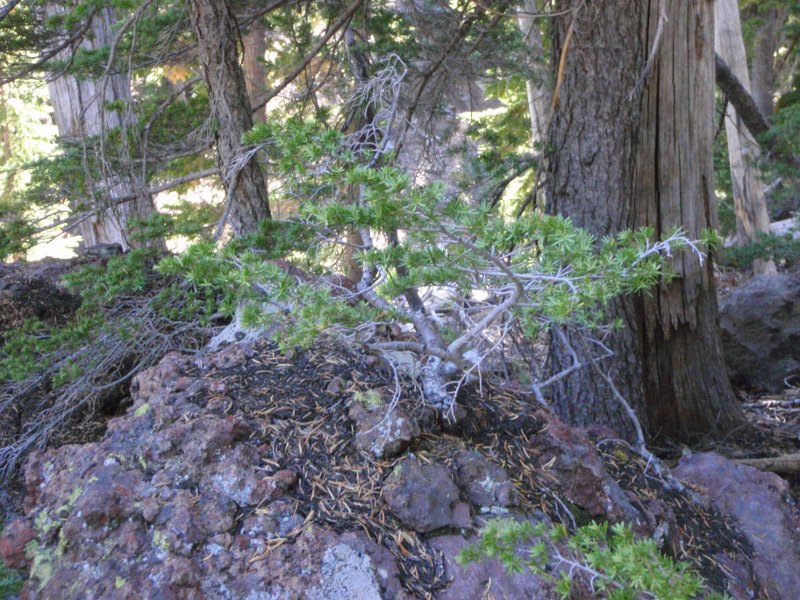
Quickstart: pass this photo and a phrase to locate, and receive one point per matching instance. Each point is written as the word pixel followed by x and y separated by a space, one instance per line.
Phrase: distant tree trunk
pixel 538 88
pixel 628 153
pixel 216 32
pixel 255 78
pixel 762 69
pixel 9 176
pixel 749 201
pixel 80 110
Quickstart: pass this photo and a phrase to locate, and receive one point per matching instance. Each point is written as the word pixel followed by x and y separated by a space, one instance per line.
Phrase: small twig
pixel 651 59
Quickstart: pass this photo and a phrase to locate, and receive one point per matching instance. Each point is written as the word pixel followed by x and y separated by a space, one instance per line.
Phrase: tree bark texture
pixel 749 201
pixel 217 33
pixel 255 78
pixel 255 71
pixel 591 176
pixel 627 153
pixel 80 111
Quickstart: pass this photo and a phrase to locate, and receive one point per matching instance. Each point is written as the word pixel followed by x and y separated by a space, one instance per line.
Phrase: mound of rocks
pixel 249 474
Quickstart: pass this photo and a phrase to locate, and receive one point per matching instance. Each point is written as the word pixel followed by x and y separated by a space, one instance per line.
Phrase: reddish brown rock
pixel 16 536
pixel 483 482
pixel 175 502
pixel 760 504
pixel 576 473
pixel 424 497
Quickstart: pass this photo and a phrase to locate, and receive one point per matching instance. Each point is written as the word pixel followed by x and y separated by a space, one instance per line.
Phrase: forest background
pixel 536 191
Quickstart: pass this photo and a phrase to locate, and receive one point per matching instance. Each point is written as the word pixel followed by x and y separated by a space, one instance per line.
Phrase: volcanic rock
pixel 483 482
pixel 758 501
pixel 383 431
pixel 424 497
pixel 760 323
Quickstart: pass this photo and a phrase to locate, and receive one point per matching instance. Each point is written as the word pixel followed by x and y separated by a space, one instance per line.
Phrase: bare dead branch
pixel 746 108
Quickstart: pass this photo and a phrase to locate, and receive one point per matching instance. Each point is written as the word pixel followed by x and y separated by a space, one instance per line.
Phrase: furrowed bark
pixel 216 32
pixel 628 155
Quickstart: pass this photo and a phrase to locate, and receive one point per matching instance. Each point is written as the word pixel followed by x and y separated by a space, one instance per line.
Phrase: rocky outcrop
pixel 249 474
pixel 760 504
pixel 760 323
pixel 176 502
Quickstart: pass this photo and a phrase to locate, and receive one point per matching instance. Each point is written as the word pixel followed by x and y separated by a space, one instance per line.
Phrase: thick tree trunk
pixel 80 111
pixel 216 32
pixel 749 201
pixel 629 153
pixel 591 175
pixel 686 383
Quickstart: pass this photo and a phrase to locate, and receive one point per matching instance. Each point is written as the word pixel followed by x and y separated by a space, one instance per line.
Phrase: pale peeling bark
pixel 749 200
pixel 216 32
pixel 79 109
pixel 628 155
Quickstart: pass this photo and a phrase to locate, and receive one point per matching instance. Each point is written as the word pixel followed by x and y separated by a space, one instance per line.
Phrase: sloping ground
pixel 251 474
pixel 68 367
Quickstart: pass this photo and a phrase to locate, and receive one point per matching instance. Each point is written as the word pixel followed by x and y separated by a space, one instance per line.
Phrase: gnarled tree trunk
pixel 81 111
pixel 629 152
pixel 216 32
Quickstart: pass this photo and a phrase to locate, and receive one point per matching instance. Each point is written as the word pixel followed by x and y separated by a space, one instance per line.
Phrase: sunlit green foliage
pixel 783 249
pixel 448 241
pixel 614 564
